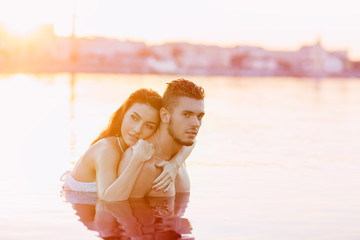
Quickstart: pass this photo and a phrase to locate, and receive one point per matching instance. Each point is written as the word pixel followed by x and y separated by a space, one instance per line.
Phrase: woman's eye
pixel 149 126
pixel 186 115
pixel 134 117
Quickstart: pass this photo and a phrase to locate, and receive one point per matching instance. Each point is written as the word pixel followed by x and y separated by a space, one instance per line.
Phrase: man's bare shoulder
pixel 150 170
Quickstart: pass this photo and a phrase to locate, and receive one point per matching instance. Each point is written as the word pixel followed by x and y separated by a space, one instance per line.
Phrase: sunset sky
pixel 274 25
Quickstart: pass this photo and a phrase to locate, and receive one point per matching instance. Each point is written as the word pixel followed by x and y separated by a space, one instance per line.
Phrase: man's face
pixel 185 120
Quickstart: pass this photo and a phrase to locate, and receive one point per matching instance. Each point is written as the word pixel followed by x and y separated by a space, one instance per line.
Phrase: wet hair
pixel 144 96
pixel 181 88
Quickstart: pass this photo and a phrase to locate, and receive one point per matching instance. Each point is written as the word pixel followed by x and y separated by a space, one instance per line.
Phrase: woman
pixel 136 120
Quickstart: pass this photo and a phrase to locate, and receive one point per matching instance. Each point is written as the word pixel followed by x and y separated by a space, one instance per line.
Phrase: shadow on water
pixel 145 218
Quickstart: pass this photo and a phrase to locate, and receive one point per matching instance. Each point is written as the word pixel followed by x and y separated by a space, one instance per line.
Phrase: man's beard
pixel 176 139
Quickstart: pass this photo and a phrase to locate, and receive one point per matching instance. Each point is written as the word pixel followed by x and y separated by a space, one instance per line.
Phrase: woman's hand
pixel 170 168
pixel 143 150
pixel 167 177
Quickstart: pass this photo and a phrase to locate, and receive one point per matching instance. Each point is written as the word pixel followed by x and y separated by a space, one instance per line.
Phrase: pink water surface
pixel 275 159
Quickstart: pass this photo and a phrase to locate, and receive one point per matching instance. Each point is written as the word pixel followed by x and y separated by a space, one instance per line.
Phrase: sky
pixel 273 25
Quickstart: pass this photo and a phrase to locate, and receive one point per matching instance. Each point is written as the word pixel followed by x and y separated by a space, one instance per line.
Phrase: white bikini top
pixel 70 184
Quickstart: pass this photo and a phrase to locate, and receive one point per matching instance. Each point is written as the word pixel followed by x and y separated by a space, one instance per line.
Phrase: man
pixel 181 118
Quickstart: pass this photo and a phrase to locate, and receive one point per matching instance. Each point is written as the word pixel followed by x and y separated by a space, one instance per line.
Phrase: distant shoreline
pixel 47 53
pixel 111 70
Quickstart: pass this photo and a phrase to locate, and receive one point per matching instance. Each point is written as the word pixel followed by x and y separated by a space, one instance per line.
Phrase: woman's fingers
pixel 166 179
pixel 144 150
pixel 159 178
pixel 148 149
pixel 161 164
pixel 168 187
pixel 151 150
pixel 165 185
pixel 160 184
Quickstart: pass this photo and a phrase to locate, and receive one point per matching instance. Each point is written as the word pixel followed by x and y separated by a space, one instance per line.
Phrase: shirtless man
pixel 181 119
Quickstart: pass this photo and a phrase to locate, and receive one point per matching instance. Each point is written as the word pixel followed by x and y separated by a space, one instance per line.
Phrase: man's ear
pixel 164 115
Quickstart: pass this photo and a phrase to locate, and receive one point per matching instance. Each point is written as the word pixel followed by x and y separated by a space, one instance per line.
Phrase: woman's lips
pixel 133 137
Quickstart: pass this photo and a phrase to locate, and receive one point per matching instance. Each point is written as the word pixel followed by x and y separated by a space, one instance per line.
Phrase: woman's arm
pixel 120 188
pixel 170 169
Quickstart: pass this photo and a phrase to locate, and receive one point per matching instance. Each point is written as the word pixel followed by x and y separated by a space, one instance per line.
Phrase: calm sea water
pixel 276 158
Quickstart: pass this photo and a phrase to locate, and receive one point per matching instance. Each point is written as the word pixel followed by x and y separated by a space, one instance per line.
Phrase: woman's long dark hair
pixel 143 95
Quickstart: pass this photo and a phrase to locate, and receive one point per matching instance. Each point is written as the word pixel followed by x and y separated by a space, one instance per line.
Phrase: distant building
pixel 315 60
pixel 44 51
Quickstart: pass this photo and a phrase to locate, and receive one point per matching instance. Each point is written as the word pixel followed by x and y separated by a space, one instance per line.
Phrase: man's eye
pixel 186 115
pixel 150 126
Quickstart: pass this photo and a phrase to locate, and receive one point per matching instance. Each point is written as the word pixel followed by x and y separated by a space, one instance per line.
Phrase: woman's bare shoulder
pixel 105 149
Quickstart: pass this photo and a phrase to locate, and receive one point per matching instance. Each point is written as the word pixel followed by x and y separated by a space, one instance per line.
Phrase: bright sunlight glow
pixel 21 28
pixel 21 17
pixel 277 24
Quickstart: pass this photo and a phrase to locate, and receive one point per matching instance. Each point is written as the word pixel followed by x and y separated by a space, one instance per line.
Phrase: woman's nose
pixel 137 128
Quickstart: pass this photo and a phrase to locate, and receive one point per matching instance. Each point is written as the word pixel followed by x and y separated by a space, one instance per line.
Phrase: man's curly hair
pixel 181 88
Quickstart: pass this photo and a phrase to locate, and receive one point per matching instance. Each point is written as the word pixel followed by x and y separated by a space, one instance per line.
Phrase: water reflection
pixel 146 218
pixel 72 84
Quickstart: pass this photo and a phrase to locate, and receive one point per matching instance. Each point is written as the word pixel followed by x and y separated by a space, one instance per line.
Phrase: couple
pixel 145 134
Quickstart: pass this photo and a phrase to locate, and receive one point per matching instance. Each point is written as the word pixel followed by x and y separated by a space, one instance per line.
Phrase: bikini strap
pixel 120 144
pixel 65 175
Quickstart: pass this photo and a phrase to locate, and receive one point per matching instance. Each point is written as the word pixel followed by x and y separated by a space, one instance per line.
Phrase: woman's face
pixel 140 121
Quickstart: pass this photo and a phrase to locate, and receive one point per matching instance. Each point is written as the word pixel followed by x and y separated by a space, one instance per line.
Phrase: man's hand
pixel 167 177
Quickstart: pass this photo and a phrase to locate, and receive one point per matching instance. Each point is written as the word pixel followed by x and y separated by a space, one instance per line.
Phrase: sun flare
pixel 22 18
pixel 21 28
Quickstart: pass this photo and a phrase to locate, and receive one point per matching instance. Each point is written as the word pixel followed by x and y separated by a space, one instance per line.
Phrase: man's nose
pixel 195 122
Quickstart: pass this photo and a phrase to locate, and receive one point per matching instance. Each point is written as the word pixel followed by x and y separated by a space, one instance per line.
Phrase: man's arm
pixel 182 180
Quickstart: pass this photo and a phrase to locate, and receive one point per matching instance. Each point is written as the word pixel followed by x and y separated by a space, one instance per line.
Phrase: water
pixel 276 158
